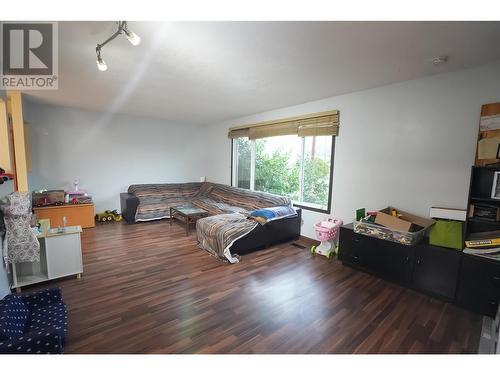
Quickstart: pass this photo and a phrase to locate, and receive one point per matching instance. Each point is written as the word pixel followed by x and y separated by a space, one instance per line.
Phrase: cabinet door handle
pixel 496 279
pixel 355 239
pixel 493 303
pixel 355 257
pixel 418 261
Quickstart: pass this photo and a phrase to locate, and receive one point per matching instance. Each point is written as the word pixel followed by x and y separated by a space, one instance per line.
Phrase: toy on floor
pixel 327 232
pixel 108 216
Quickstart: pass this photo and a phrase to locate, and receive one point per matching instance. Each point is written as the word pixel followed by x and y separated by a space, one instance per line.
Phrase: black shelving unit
pixel 481 182
pixel 479 278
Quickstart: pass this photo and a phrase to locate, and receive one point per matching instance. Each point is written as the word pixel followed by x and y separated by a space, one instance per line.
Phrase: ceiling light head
pixel 133 38
pixel 101 64
pixel 440 60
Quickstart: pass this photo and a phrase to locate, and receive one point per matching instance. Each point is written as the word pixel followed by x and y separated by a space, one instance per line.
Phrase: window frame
pixel 327 210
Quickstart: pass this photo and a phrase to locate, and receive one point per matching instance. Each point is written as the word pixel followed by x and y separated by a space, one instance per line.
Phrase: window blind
pixel 323 123
pixel 238 133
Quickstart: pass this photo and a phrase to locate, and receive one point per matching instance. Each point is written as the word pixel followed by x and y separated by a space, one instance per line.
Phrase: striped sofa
pixel 227 227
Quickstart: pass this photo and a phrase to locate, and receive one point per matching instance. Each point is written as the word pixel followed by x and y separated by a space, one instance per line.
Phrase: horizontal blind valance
pixel 324 123
pixel 273 130
pixel 238 133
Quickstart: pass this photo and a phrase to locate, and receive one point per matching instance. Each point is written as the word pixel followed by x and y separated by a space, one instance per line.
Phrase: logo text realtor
pixel 29 56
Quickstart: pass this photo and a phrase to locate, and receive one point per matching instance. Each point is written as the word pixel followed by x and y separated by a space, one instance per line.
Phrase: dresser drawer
pixel 383 258
pixel 354 248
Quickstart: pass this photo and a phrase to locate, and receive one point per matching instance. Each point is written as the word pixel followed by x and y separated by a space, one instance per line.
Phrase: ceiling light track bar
pixel 121 26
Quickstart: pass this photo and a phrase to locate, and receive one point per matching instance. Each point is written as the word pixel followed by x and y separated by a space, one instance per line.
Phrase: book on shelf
pixel 483 239
pixel 484 211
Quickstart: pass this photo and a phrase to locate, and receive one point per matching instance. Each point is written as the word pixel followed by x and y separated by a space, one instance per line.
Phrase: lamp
pixel 101 64
pixel 132 37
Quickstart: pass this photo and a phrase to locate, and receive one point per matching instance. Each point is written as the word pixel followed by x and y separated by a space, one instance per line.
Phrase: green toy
pixel 108 215
pixel 360 213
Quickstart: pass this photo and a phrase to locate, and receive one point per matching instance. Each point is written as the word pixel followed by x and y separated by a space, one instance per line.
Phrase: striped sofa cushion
pixel 216 234
pixel 155 200
pixel 151 191
pixel 216 208
pixel 245 198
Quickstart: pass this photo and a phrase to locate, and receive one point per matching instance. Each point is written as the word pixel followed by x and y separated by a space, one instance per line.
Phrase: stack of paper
pixel 492 252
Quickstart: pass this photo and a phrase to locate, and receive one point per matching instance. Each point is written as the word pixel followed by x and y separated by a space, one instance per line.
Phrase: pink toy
pixel 327 232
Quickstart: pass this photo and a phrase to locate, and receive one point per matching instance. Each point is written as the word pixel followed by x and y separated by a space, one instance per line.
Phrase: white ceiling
pixel 205 72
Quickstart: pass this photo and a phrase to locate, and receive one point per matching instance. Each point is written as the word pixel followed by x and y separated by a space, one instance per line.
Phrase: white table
pixel 60 256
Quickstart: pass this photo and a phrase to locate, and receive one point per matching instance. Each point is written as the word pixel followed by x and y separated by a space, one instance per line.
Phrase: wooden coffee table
pixel 187 214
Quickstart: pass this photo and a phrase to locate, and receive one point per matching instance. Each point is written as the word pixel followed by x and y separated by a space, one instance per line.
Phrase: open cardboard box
pixel 404 223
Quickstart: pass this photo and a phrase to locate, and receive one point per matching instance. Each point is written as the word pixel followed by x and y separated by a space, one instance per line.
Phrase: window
pixel 297 167
pixel 243 163
pixel 291 157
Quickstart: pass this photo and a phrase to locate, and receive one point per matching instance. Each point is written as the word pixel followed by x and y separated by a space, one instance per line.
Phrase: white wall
pixel 410 144
pixel 107 152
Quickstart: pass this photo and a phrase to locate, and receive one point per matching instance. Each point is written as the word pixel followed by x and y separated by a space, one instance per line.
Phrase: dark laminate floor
pixel 148 289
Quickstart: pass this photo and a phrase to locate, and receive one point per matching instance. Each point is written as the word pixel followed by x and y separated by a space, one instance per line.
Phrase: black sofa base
pixel 274 232
pixel 128 206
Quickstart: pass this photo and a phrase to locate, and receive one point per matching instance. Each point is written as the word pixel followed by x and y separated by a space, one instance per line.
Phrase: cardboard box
pixel 404 223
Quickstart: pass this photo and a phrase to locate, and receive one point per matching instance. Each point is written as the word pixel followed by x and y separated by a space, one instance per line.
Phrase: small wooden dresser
pixel 76 214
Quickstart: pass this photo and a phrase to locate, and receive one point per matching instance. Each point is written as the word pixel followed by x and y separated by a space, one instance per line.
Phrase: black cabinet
pixel 436 270
pixel 479 285
pixel 470 281
pixel 430 269
pixel 386 259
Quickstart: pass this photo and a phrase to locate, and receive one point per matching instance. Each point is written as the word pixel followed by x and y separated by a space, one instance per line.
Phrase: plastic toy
pixel 108 216
pixel 327 232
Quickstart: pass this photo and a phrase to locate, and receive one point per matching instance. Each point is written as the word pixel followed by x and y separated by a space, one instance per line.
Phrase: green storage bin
pixel 447 233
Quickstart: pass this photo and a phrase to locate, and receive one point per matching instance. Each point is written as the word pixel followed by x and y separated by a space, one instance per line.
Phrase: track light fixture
pixel 132 37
